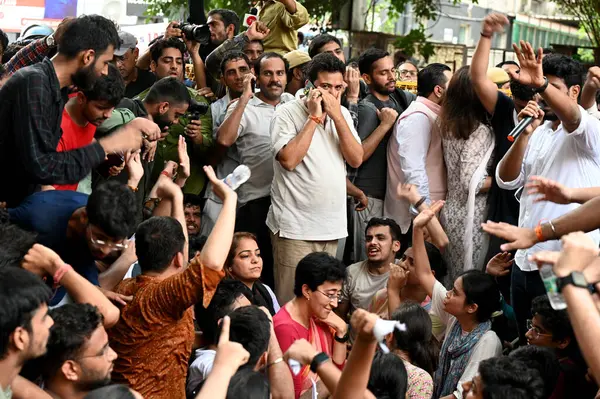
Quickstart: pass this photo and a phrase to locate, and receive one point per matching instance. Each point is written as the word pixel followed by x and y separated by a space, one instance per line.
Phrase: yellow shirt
pixel 284 26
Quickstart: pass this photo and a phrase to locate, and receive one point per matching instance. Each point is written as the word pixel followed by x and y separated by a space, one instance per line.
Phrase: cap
pixel 498 75
pixel 296 58
pixel 127 41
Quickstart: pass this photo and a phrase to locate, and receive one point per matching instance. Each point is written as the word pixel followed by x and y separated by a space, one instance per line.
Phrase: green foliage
pixel 588 13
pixel 415 40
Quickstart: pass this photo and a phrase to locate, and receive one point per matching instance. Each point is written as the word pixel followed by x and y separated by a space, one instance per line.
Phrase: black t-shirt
pixel 144 80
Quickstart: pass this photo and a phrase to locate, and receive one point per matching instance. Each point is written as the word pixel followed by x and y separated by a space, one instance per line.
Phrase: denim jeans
pixel 524 286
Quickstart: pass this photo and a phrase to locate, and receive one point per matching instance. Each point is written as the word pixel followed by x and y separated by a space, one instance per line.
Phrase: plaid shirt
pixel 213 61
pixel 31 106
pixel 31 54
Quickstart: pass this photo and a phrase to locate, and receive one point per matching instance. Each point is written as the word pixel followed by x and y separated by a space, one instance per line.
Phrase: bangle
pixel 486 36
pixel 419 203
pixel 134 189
pixel 553 229
pixel 343 339
pixel 538 233
pixel 274 362
pixel 164 172
pixel 60 273
pixel 315 119
pixel 318 360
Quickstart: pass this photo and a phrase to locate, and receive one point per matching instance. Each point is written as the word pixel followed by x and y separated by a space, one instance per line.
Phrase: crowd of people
pixel 130 267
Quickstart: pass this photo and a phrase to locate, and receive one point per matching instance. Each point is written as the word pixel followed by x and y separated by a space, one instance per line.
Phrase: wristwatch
pixel 342 340
pixel 50 42
pixel 575 278
pixel 543 87
pixel 318 360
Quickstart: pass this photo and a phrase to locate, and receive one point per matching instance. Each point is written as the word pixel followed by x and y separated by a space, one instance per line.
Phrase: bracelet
pixel 134 189
pixel 343 339
pixel 538 233
pixel 484 35
pixel 315 119
pixel 164 172
pixel 419 203
pixel 553 229
pixel 60 273
pixel 318 360
pixel 278 360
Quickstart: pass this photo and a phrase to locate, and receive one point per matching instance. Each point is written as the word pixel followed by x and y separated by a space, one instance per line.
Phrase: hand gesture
pixel 248 93
pixel 363 323
pixel 118 299
pixel 194 131
pixel 578 251
pixel 116 170
pixel 149 150
pixel 334 321
pixel 302 351
pixel 408 192
pixel 387 116
pixel 192 46
pixel 499 265
pixel 424 217
pixel 593 77
pixel 220 189
pixel 164 187
pixel 494 23
pixel 361 202
pixel 184 160
pixel 398 278
pixel 331 104
pixel 548 190
pixel 42 260
pixel 134 167
pixel 148 129
pixel 314 103
pixel 517 237
pixel 352 79
pixel 531 73
pixel 206 92
pixel 230 355
pixel 532 109
pixel 257 31
pixel 173 30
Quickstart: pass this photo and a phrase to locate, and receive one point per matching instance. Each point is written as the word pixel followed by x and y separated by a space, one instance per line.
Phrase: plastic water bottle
pixel 557 300
pixel 239 176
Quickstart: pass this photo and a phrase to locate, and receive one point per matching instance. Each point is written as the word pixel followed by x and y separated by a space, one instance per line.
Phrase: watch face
pixel 579 279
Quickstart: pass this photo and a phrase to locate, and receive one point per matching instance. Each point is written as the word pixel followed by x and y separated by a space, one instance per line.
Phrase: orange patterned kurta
pixel 154 335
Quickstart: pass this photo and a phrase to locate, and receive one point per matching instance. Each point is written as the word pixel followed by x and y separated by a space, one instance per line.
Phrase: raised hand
pixel 230 355
pixel 331 104
pixel 42 260
pixel 548 190
pixel 352 79
pixel 517 237
pixel 578 251
pixel 363 322
pixel 499 265
pixel 314 103
pixel 220 189
pixel 183 172
pixel 302 351
pixel 408 192
pixel 398 278
pixel 494 23
pixel 334 321
pixel 424 217
pixel 194 131
pixel 257 31
pixel 173 30
pixel 531 73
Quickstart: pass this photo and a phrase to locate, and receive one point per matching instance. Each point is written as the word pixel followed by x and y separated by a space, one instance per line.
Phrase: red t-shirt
pixel 73 137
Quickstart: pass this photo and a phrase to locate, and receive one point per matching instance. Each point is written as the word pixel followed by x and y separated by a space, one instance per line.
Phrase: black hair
pixel 266 56
pixel 481 289
pixel 14 243
pixel 317 268
pixel 21 295
pixel 116 391
pixel 2 71
pixel 3 40
pixel 563 67
pixel 505 377
pixel 248 384
pixel 232 56
pixel 192 200
pixel 157 241
pixel 417 339
pixel 388 378
pixel 109 88
pixel 88 32
pixel 324 62
pixel 399 58
pixel 112 207
pixel 520 91
pixel 501 64
pixel 168 89
pixel 436 261
pixel 395 230
pixel 430 77
pixel 229 17
pixel 227 292
pixel 160 45
pixel 554 321
pixel 542 359
pixel 319 41
pixel 196 244
pixel 250 327
pixel 368 58
pixel 74 325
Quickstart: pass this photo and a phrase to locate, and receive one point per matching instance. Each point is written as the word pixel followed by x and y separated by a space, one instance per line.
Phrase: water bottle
pixel 239 176
pixel 557 300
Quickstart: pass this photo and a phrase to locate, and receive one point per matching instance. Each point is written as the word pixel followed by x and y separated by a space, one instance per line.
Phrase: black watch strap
pixel 342 340
pixel 318 360
pixel 575 278
pixel 542 88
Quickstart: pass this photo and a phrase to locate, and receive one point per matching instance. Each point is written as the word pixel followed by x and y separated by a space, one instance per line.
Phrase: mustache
pixel 275 85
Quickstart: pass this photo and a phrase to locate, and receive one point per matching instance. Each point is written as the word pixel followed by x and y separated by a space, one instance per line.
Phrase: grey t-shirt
pixel 361 285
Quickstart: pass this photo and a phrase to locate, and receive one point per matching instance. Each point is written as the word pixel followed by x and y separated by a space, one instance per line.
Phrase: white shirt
pixel 489 344
pixel 309 203
pixel 200 368
pixel 254 146
pixel 572 159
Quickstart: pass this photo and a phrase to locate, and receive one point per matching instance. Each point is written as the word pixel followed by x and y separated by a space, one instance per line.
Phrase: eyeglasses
pixel 331 297
pixel 104 353
pixel 406 72
pixel 535 330
pixel 114 246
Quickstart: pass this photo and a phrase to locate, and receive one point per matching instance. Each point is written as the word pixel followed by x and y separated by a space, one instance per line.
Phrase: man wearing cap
pixel 499 77
pixel 136 80
pixel 295 78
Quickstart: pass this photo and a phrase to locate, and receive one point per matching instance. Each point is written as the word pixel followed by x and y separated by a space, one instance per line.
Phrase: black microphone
pixel 522 125
pixel 254 11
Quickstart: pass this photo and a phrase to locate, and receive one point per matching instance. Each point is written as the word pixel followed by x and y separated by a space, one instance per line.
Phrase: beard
pixel 162 120
pixel 85 78
pixel 382 89
pixel 88 386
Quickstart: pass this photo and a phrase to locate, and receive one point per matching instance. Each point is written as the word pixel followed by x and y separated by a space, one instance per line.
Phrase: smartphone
pixel 308 87
pixel 253 85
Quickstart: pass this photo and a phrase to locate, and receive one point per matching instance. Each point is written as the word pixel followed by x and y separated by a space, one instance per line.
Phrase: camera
pixel 197 109
pixel 198 33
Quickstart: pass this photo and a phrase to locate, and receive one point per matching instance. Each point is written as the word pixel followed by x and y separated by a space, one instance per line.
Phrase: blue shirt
pixel 47 213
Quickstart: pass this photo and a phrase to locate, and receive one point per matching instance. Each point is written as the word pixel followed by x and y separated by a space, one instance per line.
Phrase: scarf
pixel 454 357
pixel 319 339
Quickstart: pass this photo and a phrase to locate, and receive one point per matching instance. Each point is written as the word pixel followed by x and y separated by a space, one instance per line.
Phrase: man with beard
pixel 247 125
pixel 24 323
pixel 79 358
pixel 136 79
pixel 193 214
pixel 561 144
pixel 31 106
pixel 377 113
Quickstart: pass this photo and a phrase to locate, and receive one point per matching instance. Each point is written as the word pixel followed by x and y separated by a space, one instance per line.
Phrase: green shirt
pixel 167 149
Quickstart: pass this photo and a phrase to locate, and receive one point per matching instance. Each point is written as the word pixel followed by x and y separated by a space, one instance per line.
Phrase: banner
pixel 17 14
